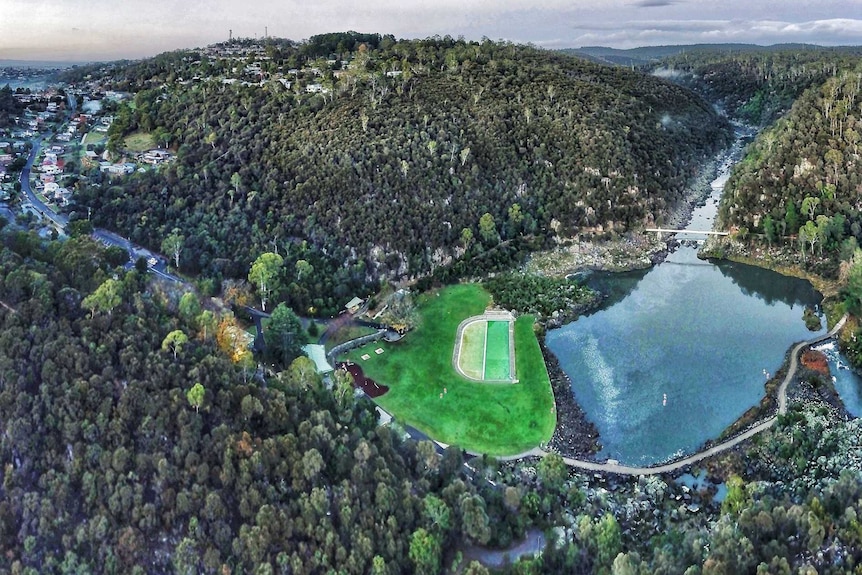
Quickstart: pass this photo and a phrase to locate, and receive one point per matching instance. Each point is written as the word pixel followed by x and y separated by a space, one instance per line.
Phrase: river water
pixel 847 382
pixel 681 351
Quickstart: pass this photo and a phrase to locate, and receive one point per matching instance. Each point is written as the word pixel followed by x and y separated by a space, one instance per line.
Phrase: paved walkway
pixel 612 467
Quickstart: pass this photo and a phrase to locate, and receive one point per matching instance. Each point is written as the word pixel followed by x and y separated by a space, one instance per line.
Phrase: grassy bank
pixel 498 419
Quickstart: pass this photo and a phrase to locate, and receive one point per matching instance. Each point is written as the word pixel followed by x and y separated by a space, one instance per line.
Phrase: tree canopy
pixel 284 335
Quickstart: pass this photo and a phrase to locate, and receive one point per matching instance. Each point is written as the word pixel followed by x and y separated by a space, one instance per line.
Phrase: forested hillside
pixel 124 449
pixel 385 158
pixel 801 177
pixel 757 84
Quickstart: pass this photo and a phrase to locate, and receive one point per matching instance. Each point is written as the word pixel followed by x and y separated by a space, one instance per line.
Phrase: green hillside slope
pixel 386 165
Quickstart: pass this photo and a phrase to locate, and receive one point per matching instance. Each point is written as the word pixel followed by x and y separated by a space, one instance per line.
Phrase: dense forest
pixel 387 168
pixel 127 448
pixel 806 165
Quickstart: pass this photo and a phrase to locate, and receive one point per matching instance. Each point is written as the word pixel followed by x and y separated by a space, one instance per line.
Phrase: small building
pixel 156 157
pixel 317 354
pixel 317 89
pixel 353 305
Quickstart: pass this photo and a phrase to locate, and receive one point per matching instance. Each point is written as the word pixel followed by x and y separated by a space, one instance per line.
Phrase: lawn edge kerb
pixel 427 393
pixel 488 317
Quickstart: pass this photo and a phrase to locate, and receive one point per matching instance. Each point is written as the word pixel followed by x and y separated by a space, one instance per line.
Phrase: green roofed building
pixel 317 354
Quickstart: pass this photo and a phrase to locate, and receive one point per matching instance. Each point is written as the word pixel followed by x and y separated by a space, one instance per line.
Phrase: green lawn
pixel 139 142
pixel 497 351
pixel 95 138
pixel 493 418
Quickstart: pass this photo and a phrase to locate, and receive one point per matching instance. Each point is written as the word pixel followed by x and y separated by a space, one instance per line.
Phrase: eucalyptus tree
pixel 265 275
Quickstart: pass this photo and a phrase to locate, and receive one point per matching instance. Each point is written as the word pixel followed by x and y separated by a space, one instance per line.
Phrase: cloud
pixel 654 3
pixel 79 29
pixel 672 31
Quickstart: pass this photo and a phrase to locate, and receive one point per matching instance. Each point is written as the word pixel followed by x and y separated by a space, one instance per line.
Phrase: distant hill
pixel 649 55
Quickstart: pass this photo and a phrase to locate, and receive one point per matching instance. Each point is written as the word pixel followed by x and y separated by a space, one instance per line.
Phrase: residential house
pixel 52 170
pixel 354 305
pixel 156 157
pixel 116 169
pixel 62 196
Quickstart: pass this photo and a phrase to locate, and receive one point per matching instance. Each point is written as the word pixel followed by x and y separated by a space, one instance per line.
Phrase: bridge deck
pixel 702 232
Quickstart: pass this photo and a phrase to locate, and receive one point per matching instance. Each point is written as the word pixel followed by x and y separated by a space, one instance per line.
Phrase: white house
pixel 316 89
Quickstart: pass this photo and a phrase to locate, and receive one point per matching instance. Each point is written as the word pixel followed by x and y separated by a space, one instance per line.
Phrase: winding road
pixel 60 221
pixel 613 467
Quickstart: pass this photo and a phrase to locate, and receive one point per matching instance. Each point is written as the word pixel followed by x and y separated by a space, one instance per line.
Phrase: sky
pixel 83 30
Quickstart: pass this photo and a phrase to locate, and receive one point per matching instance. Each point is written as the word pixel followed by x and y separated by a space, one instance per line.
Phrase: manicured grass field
pixel 94 138
pixel 497 351
pixel 471 357
pixel 498 419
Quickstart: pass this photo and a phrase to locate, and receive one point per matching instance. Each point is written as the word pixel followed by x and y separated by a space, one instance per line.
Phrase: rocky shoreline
pixel 574 434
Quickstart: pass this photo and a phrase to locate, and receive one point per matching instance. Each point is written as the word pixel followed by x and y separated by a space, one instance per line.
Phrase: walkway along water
pixel 613 467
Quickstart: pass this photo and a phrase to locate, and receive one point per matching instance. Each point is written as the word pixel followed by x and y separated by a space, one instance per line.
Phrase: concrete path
pixel 612 467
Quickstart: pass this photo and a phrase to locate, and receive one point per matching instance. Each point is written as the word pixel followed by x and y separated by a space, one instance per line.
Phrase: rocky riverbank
pixel 574 435
pixel 633 250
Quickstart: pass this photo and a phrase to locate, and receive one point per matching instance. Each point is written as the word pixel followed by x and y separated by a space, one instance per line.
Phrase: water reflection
pixel 615 287
pixel 769 286
pixel 678 353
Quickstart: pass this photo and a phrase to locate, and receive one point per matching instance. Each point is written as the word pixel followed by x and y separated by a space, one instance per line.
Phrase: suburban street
pixel 58 220
pixel 157 263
